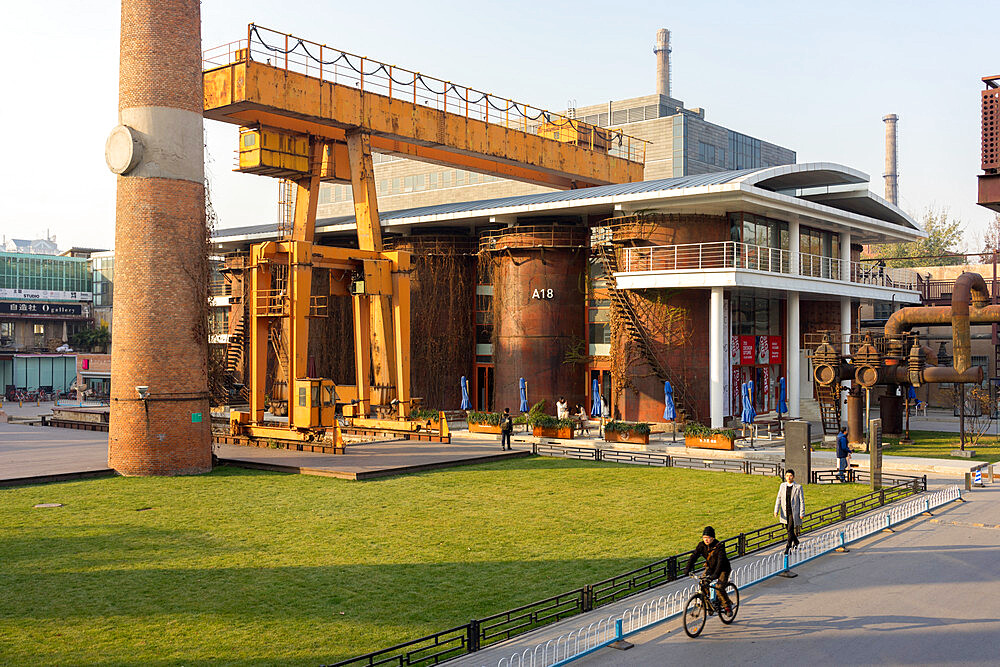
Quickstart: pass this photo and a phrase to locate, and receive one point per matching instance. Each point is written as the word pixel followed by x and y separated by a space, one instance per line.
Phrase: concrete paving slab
pixel 32 451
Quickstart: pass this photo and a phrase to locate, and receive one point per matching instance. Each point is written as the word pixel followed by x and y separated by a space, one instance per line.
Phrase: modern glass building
pixel 44 299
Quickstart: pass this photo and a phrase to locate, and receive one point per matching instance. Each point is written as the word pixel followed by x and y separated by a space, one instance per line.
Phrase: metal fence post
pixel 881 497
pixel 672 568
pixel 743 544
pixel 843 511
pixel 599 454
pixel 588 598
pixel 473 635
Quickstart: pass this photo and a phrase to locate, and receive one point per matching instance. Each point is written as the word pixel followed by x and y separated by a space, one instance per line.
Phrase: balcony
pixel 730 256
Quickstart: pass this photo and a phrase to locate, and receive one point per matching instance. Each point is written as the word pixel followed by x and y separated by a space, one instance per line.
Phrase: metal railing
pixel 533 236
pixel 480 633
pixel 713 255
pixel 874 273
pixel 735 255
pixel 279 49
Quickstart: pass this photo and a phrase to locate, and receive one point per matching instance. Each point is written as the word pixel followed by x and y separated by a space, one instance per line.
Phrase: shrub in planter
pixel 699 435
pixel 425 415
pixel 547 426
pixel 484 418
pixel 636 432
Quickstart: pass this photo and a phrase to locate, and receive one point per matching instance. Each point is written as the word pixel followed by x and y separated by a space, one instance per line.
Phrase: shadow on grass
pixel 345 609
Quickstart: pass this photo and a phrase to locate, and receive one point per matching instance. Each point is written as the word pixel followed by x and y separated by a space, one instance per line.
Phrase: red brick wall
pixel 161 55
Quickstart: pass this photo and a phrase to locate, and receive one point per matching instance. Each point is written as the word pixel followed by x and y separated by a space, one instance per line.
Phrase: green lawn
pixel 247 567
pixel 937 445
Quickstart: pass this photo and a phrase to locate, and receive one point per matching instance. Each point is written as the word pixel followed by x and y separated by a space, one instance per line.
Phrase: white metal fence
pixel 599 634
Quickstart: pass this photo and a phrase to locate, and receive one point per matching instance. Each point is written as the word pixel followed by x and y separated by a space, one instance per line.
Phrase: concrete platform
pixel 38 454
pixel 35 454
pixel 367 461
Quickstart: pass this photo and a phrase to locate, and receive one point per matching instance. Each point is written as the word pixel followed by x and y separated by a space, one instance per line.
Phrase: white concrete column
pixel 793 246
pixel 716 397
pixel 845 256
pixel 793 371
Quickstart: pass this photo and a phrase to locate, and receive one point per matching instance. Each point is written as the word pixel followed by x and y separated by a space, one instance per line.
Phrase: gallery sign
pixel 31 309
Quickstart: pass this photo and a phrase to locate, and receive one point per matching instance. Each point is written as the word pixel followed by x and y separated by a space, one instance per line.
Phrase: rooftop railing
pixel 285 51
pixel 734 255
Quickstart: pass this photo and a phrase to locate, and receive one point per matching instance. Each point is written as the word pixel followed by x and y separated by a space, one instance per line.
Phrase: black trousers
pixel 793 538
pixel 504 440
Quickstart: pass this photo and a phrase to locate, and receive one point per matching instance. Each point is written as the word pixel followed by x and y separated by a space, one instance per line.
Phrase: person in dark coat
pixel 716 563
pixel 506 428
pixel 843 454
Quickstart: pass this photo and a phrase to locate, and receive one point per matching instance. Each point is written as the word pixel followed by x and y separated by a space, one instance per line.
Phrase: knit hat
pixel 708 531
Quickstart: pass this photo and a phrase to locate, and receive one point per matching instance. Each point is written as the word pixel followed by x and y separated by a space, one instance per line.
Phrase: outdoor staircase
pixel 234 360
pixel 637 334
pixel 829 408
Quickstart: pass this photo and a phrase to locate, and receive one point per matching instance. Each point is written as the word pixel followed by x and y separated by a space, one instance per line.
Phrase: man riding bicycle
pixel 716 565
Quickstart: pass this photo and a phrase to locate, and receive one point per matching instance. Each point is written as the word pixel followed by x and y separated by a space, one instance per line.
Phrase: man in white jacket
pixel 790 505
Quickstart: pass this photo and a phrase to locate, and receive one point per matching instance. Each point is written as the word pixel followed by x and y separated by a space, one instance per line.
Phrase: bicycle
pixel 704 603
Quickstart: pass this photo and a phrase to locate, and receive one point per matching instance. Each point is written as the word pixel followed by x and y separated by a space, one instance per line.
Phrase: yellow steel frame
pixel 253 94
pixel 341 125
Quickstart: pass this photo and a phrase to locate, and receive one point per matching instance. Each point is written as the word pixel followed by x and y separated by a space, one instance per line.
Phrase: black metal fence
pixel 744 466
pixel 480 633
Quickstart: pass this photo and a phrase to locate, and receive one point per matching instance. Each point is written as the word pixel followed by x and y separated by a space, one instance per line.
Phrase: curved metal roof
pixel 827 183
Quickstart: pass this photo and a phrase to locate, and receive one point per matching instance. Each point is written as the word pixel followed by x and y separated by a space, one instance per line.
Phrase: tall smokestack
pixel 160 422
pixel 662 51
pixel 891 175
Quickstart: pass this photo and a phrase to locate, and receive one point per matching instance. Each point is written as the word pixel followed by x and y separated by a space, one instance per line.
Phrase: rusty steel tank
pixel 539 302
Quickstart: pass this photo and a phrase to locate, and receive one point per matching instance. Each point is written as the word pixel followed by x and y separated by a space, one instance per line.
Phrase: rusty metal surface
pixel 990 98
pixel 533 236
pixel 539 311
pixel 891 413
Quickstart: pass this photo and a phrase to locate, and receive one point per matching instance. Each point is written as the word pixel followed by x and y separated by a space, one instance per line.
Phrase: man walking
pixel 791 506
pixel 506 428
pixel 843 454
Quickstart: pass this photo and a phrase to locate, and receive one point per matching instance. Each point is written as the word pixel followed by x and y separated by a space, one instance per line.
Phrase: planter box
pixel 539 432
pixel 713 442
pixel 484 428
pixel 626 436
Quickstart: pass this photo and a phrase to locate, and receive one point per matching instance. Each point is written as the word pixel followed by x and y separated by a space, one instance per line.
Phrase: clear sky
pixel 815 77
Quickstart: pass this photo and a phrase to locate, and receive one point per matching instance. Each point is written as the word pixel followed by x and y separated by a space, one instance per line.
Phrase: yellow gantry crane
pixel 310 113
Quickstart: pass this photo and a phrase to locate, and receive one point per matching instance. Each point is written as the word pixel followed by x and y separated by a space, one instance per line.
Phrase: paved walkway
pixel 927 594
pixel 32 451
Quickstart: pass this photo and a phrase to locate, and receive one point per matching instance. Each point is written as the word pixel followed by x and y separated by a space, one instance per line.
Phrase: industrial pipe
pixel 934 375
pixel 906 318
pixel 967 285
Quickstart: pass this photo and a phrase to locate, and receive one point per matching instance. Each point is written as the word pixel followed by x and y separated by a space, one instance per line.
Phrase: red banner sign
pixel 748 345
pixel 775 345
